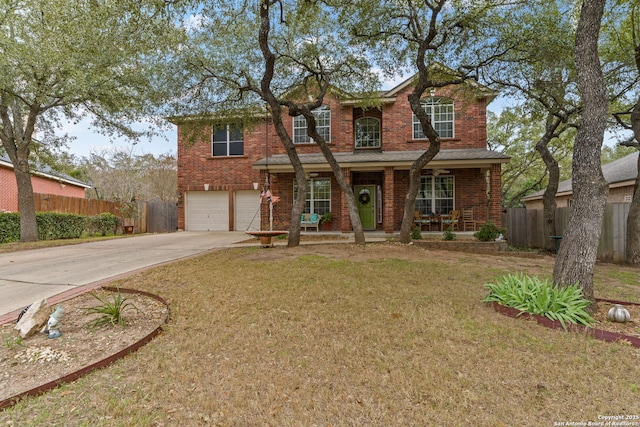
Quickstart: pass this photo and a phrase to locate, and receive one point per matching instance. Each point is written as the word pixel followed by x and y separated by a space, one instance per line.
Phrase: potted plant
pixel 129 211
pixel 325 220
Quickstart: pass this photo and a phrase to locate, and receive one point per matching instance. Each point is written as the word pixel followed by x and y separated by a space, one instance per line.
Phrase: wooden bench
pixel 310 220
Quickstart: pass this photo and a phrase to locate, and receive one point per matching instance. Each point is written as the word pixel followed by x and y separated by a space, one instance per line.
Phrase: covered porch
pixel 454 180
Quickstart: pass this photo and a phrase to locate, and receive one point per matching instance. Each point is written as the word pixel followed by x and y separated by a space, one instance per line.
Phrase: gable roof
pixel 439 68
pixel 619 173
pixel 47 172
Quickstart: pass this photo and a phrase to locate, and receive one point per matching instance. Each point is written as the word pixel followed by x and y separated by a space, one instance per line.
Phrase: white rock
pixel 34 319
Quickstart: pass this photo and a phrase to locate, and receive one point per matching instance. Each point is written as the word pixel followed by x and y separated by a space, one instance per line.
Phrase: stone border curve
pixel 6 403
pixel 598 334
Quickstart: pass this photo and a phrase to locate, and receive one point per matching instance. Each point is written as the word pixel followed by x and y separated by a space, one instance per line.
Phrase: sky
pixel 88 140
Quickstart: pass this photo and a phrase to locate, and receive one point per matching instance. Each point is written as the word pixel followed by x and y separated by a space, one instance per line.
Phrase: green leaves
pixel 111 312
pixel 541 297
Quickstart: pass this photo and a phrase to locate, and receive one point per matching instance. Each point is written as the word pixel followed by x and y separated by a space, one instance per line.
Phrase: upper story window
pixel 368 133
pixel 323 126
pixel 440 111
pixel 228 140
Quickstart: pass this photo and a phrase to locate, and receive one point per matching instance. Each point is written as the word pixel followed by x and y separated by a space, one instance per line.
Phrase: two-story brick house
pixel 222 173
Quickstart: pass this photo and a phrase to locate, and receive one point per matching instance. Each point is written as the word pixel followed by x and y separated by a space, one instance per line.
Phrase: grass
pixel 384 335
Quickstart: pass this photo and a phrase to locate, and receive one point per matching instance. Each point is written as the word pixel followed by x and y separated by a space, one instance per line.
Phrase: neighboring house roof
pixel 469 157
pixel 47 172
pixel 619 173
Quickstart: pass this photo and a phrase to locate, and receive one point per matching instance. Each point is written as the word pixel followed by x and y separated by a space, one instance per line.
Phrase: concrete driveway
pixel 59 272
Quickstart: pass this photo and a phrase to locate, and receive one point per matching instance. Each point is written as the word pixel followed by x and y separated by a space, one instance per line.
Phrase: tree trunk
pixel 549 196
pixel 301 180
pixel 26 204
pixel 416 168
pixel 267 95
pixel 16 134
pixel 346 188
pixel 576 258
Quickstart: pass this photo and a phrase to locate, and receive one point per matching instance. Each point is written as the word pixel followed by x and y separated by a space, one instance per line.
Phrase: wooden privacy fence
pixel 525 229
pixel 154 216
pixel 74 205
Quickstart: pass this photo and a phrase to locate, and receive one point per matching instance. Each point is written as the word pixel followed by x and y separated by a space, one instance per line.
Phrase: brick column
pixel 388 196
pixel 495 195
pixel 345 222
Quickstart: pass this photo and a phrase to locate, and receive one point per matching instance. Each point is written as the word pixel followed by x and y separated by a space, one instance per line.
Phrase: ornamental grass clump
pixel 541 297
pixel 111 312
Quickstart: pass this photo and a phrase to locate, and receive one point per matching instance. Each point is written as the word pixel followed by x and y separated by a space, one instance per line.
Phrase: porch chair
pixel 468 220
pixel 451 221
pixel 419 220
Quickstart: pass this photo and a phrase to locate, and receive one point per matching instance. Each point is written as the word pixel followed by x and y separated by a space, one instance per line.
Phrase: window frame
pixel 433 106
pixel 323 126
pixel 228 143
pixel 312 203
pixel 378 131
pixel 430 197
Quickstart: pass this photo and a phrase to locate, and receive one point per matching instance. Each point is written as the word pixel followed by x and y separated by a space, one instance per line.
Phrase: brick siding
pixel 197 166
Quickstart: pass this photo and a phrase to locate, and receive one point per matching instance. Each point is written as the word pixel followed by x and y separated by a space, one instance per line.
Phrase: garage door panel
pixel 247 210
pixel 207 211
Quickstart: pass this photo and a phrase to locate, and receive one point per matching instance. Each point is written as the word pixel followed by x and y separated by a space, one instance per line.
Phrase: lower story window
pixel 318 195
pixel 436 195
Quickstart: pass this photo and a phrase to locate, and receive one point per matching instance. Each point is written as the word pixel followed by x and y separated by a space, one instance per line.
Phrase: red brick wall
pixel 197 167
pixel 9 189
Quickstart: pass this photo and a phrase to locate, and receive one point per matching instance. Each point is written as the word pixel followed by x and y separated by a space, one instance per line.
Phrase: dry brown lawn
pixel 338 335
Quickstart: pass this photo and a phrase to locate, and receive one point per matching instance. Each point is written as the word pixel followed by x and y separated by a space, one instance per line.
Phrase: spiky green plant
pixel 111 312
pixel 541 297
pixel 13 342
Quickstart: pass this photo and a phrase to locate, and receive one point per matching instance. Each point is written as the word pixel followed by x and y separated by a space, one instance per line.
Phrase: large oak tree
pixel 67 59
pixel 577 254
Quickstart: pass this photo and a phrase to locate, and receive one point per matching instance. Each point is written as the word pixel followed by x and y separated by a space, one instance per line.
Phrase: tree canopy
pixel 73 59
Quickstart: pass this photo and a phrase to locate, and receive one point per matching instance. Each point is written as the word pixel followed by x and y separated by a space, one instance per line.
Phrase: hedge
pixel 54 225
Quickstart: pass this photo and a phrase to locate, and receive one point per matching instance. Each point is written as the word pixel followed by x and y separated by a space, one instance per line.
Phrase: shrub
pixel 51 226
pixel 488 232
pixel 416 234
pixel 448 234
pixel 9 227
pixel 541 297
pixel 54 225
pixel 102 224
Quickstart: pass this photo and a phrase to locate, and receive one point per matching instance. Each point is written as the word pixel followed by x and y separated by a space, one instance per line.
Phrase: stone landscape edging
pixel 10 401
pixel 598 334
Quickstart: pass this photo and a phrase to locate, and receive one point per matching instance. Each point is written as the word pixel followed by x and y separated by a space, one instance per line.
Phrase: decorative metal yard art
pixel 266 236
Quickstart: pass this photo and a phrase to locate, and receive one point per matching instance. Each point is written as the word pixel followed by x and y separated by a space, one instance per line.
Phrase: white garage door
pixel 247 215
pixel 207 211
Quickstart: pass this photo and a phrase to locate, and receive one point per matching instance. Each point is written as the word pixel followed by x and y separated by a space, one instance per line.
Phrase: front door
pixel 366 201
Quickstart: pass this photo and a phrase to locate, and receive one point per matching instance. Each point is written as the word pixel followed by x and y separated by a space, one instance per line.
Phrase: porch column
pixel 388 196
pixel 495 194
pixel 345 222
